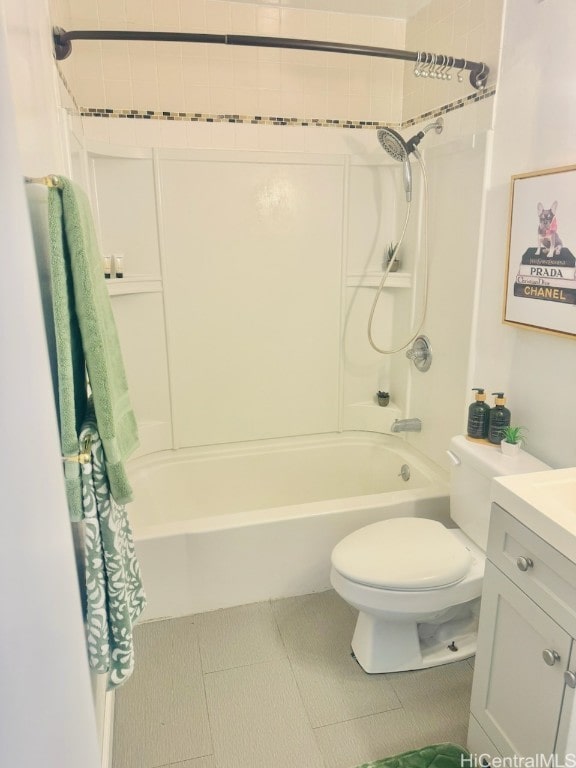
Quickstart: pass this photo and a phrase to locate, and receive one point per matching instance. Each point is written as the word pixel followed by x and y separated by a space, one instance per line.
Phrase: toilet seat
pixel 403 554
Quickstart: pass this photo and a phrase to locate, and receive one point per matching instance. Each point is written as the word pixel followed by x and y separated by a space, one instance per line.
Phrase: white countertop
pixel 545 502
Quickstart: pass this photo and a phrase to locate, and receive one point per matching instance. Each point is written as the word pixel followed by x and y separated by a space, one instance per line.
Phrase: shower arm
pixel 63 47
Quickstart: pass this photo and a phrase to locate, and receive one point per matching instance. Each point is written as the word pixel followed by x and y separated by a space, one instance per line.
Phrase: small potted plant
pixel 512 438
pixel 383 398
pixel 390 251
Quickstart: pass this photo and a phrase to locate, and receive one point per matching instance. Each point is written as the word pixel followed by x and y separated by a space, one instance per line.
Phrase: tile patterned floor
pixel 273 685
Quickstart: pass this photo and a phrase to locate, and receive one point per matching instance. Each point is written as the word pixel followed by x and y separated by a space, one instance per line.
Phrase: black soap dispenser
pixel 478 415
pixel 499 418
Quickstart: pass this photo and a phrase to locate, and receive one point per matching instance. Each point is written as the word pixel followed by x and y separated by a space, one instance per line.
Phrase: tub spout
pixel 407 425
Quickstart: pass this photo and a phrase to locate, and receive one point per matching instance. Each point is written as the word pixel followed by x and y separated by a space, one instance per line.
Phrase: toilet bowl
pixel 418 604
pixel 417 583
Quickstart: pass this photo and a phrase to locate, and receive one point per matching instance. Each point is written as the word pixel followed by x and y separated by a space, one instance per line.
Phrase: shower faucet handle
pixel 421 353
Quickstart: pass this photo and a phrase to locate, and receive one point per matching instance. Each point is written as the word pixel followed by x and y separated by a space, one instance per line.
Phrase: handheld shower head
pixel 391 141
pixel 396 147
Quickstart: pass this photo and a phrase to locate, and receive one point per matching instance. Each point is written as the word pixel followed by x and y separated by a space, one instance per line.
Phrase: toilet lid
pixel 405 553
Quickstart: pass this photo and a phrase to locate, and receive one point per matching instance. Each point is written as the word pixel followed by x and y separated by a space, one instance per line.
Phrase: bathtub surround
pixel 305 225
pixel 286 692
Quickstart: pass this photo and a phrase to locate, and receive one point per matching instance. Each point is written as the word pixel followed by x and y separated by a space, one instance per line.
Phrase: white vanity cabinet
pixel 525 672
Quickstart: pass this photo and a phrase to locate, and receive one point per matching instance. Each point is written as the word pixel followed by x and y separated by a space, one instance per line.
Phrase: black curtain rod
pixel 478 70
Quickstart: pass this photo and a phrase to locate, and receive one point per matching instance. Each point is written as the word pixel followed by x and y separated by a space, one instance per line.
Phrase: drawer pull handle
pixel 524 563
pixel 570 679
pixel 550 657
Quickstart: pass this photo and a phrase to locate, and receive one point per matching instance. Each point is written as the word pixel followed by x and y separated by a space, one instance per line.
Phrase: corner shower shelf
pixel 372 280
pixel 121 286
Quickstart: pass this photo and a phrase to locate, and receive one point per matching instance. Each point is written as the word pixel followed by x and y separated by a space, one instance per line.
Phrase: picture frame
pixel 540 278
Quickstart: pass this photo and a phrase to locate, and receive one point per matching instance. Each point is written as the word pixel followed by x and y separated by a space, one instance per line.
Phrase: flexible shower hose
pixel 389 267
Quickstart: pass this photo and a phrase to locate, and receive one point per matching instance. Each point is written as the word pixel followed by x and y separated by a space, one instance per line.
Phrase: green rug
pixel 435 756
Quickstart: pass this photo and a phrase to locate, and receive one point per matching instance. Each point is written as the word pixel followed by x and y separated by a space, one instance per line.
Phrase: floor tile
pixel 160 713
pixel 235 637
pixel 317 631
pixel 389 733
pixel 444 688
pixel 258 720
pixel 260 713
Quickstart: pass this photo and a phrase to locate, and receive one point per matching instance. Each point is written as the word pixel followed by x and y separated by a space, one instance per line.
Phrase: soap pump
pixel 499 418
pixel 478 415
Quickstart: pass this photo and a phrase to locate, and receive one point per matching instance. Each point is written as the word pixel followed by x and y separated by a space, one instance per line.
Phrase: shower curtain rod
pixel 478 70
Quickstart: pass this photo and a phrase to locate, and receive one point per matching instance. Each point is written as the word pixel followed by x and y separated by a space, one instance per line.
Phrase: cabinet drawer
pixel 538 569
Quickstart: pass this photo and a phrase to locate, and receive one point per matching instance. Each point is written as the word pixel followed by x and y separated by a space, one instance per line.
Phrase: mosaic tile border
pixel 196 117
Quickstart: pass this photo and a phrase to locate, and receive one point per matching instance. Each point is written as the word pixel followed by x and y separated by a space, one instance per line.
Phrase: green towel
pixel 71 367
pixel 86 335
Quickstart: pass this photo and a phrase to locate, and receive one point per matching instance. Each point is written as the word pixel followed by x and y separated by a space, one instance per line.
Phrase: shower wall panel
pixel 440 396
pixel 252 250
pixel 372 224
pixel 123 191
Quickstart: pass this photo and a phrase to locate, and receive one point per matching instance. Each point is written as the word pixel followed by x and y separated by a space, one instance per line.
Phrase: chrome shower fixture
pixel 437 126
pixel 391 141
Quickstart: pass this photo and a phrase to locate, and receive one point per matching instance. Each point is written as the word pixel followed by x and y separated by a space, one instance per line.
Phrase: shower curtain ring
pixel 424 70
pixel 482 76
pixel 440 66
pixel 417 65
pixel 460 75
pixel 442 71
pixel 433 72
pixel 449 65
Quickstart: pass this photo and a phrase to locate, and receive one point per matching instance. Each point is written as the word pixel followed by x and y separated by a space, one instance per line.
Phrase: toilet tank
pixel 474 465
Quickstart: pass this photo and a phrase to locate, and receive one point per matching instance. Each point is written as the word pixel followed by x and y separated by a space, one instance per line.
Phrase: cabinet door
pixel 516 695
pixel 566 740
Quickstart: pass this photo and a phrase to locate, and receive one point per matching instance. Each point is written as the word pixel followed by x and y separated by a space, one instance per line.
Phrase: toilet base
pixel 380 645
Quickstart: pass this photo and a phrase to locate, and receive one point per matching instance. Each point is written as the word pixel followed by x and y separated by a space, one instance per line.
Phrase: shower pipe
pixel 63 47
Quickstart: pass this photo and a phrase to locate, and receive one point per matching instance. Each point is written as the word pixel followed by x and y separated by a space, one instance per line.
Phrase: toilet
pixel 416 583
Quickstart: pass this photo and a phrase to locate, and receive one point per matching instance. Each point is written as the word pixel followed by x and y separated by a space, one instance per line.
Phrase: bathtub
pixel 240 523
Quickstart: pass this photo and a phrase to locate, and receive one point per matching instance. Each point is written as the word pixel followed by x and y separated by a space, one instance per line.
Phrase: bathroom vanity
pixel 523 696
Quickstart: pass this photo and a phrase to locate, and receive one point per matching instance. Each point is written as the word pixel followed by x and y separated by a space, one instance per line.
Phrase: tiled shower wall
pixel 229 79
pixel 468 29
pixel 212 80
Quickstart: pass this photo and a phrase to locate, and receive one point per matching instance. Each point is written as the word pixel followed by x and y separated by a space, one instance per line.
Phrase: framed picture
pixel 541 268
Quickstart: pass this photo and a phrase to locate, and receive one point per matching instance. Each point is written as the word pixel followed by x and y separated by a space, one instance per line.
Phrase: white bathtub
pixel 235 524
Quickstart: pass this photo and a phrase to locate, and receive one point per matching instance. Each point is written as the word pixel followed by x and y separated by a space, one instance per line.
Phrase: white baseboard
pixel 108 729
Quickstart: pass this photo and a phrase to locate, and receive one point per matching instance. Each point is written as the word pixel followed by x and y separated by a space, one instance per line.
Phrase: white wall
pixel 46 712
pixel 534 128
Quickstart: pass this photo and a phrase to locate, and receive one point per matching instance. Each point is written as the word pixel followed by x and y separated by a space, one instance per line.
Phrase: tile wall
pixel 468 29
pixel 205 83
pixel 235 80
